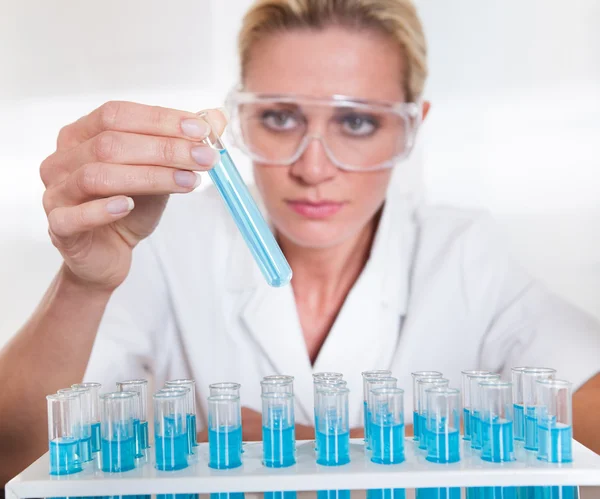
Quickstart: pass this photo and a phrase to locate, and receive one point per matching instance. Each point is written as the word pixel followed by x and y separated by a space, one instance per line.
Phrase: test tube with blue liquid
pixel 318 383
pixel 170 430
pixel 376 373
pixel 466 400
pixel 64 426
pixel 475 397
pixel 318 379
pixel 424 384
pixel 94 401
pixel 224 432
pixel 517 400
pixel 387 434
pixel 531 402
pixel 247 216
pixel 85 432
pixel 191 407
pixel 415 376
pixel 373 383
pixel 140 421
pixel 186 392
pixel 442 434
pixel 117 433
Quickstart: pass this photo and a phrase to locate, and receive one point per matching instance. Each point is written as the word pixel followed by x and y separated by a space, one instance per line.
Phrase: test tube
pixel 247 216
pixel 443 424
pixel 191 417
pixel 372 383
pixel 382 373
pixel 170 430
pixel 224 431
pixel 475 400
pixel 94 389
pixel 318 383
pixel 64 423
pixel 531 402
pixel 387 425
pixel 415 376
pixel 85 432
pixel 277 383
pixel 422 385
pixel 466 400
pixel 497 416
pixel 555 420
pixel 278 427
pixel 140 421
pixel 517 400
pixel 117 434
pixel 333 431
pixel 225 388
pixel 186 391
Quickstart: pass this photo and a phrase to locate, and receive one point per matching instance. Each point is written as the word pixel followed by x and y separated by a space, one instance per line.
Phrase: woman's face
pixel 312 203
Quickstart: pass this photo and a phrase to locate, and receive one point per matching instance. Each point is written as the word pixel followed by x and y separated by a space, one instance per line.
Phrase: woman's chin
pixel 312 237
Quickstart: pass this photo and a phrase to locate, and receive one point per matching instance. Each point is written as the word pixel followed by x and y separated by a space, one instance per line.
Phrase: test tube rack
pixel 306 475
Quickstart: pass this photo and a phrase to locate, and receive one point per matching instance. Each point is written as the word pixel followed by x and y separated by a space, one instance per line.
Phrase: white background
pixel 514 127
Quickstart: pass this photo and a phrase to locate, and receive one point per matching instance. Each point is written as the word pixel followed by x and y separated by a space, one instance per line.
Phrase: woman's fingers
pixel 68 221
pixel 100 180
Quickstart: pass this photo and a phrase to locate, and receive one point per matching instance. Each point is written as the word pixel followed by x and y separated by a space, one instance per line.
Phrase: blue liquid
pixel 144 440
pixel 192 431
pixel 467 423
pixel 416 429
pixel 497 440
pixel 280 495
pixel 365 421
pixel 278 447
pixel 531 431
pixel 118 455
pixel 171 452
pixel 176 496
pixel 250 222
pixel 476 440
pixel 85 449
pixel 423 432
pixel 442 447
pixel 138 438
pixel 519 422
pixel 497 492
pixel 439 493
pixel 317 425
pixel 64 456
pixel 386 494
pixel 227 495
pixel 387 443
pixel 333 494
pixel 555 442
pixel 334 449
pixel 96 437
pixel 225 447
pixel 554 492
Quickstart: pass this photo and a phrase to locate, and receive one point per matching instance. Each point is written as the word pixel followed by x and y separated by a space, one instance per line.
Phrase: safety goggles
pixel 356 135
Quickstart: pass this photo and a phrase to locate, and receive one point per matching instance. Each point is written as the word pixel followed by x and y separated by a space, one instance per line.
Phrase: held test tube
pixel 415 376
pixel 94 389
pixel 191 422
pixel 422 385
pixel 140 421
pixel 475 399
pixel 531 402
pixel 466 400
pixel 85 432
pixel 224 432
pixel 117 434
pixel 64 423
pixel 170 430
pixel 247 217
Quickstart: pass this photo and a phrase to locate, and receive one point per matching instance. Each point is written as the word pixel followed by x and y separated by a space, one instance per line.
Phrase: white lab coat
pixel 439 292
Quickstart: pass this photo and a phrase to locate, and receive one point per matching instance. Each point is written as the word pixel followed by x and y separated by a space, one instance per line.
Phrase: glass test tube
pixel 225 388
pixel 466 400
pixel 64 424
pixel 170 430
pixel 530 402
pixel 248 218
pixel 224 431
pixel 318 383
pixel 443 424
pixel 372 383
pixel 422 385
pixel 117 434
pixel 555 420
pixel 186 391
pixel 277 383
pixel 475 401
pixel 387 425
pixel 139 386
pixel 94 401
pixel 85 432
pixel 381 373
pixel 516 374
pixel 497 421
pixel 415 376
pixel 191 423
pixel 278 427
pixel 333 431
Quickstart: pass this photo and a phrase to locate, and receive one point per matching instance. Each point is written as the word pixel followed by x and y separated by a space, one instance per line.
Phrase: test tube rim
pixel 132 382
pixel 330 382
pixel 540 370
pixel 387 390
pixel 520 369
pixel 180 382
pixel 554 383
pixel 327 374
pixel 165 394
pixel 73 390
pixel 333 390
pixel 496 383
pixel 285 377
pixel 272 382
pixel 443 389
pixel 175 389
pixel 277 395
pixel 422 374
pixel 88 385
pixel 377 372
pixel 385 378
pixel 223 397
pixel 475 372
pixel 60 396
pixel 225 385
pixel 117 395
pixel 430 379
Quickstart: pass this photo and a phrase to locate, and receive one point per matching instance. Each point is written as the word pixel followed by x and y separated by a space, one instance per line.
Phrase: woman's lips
pixel 322 209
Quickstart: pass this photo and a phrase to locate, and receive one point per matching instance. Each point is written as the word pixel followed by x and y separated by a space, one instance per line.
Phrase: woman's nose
pixel 314 166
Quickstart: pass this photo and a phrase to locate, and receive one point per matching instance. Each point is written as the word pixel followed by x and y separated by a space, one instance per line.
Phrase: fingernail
pixel 196 129
pixel 204 156
pixel 120 205
pixel 187 179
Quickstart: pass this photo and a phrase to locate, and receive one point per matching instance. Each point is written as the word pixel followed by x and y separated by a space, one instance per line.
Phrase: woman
pixel 377 282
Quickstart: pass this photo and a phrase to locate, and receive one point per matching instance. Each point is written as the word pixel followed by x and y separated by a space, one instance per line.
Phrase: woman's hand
pixel 109 180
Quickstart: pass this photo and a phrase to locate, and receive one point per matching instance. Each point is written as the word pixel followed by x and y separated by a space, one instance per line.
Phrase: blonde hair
pixel 396 18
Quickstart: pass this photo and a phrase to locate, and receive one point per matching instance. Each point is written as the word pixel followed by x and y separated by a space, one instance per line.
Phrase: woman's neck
pixel 323 278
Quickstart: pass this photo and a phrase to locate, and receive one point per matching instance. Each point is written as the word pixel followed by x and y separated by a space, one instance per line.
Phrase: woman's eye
pixel 279 120
pixel 359 125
